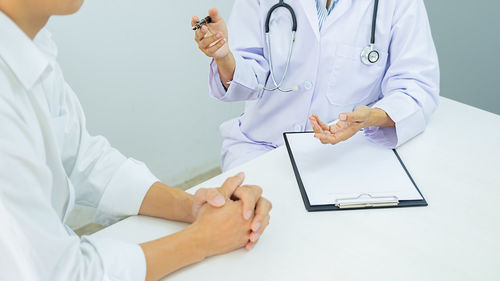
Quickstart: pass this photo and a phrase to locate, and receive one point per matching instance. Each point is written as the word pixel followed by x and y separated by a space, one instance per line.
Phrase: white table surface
pixel 455 163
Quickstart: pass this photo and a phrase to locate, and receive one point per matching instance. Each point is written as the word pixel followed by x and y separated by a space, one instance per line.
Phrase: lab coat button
pixel 308 85
pixel 298 128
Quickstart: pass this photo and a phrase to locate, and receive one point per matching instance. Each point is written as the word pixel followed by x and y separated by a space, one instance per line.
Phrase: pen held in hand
pixel 202 22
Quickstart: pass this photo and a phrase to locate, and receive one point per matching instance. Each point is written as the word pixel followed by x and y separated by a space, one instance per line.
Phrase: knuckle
pixel 258 188
pixel 232 179
pixel 238 192
pixel 253 189
pixel 212 192
pixel 220 191
pixel 243 196
pixel 200 191
pixel 229 181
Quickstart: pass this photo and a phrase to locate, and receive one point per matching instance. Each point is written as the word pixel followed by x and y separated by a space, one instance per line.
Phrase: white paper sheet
pixel 349 169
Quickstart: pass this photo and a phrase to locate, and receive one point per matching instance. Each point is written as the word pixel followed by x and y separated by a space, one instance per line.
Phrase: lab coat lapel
pixel 338 11
pixel 311 12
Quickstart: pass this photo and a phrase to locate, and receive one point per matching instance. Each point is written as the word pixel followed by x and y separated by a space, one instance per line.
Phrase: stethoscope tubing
pixel 374 22
pixel 282 4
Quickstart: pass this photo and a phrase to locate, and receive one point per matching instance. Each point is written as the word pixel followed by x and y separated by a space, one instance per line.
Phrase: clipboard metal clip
pixel 366 200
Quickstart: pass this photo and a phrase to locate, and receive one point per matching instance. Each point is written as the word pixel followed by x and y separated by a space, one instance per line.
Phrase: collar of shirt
pixel 25 57
pixel 332 5
pixel 322 3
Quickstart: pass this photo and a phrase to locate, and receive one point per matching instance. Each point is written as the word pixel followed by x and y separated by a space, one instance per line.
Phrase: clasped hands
pixel 239 211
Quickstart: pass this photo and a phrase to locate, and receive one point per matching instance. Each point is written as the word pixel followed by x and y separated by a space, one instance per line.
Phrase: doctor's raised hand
pixel 212 41
pixel 349 124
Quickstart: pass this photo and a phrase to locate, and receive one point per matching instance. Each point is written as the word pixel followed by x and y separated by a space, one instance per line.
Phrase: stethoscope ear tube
pixel 369 54
pixel 281 4
pixel 277 85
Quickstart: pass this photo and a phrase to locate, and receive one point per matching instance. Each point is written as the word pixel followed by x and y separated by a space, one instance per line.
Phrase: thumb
pixel 355 116
pixel 214 14
pixel 229 186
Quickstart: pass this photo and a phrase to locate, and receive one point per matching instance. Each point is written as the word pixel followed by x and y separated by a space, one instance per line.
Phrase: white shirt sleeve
pixel 44 246
pixel 411 85
pixel 101 175
pixel 246 42
pixel 15 262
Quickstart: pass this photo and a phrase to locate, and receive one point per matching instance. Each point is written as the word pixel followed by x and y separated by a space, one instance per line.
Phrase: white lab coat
pixel 49 162
pixel 328 71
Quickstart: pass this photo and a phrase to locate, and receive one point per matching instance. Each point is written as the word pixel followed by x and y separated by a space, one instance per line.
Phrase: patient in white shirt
pixel 49 162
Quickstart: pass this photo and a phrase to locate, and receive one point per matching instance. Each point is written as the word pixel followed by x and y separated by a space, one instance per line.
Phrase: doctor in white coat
pixel 391 100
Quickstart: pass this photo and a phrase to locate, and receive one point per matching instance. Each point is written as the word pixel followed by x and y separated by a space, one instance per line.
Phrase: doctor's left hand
pixel 255 206
pixel 349 124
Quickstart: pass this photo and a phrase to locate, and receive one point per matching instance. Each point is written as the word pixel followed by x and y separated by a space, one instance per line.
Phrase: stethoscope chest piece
pixel 370 55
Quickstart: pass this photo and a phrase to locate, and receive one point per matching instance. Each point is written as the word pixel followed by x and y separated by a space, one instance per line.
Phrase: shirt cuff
pixel 217 90
pixel 121 261
pixel 385 136
pixel 125 192
pixel 408 118
pixel 243 87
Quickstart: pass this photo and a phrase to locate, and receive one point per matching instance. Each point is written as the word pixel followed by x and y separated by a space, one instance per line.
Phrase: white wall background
pixel 143 82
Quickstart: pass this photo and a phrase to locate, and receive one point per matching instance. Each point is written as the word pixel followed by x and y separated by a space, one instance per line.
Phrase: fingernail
pixel 255 237
pixel 218 35
pixel 343 117
pixel 241 175
pixel 248 214
pixel 219 200
pixel 256 226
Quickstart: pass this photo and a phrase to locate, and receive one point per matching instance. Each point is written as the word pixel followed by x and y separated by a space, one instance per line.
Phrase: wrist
pixel 199 239
pixel 380 118
pixel 227 67
pixel 190 218
pixel 225 60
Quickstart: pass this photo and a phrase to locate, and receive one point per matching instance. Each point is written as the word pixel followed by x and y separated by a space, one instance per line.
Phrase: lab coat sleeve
pixel 410 87
pixel 247 45
pixel 38 243
pixel 101 175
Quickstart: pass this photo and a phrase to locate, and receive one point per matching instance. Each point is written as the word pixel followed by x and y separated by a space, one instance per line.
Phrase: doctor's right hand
pixel 212 41
pixel 212 37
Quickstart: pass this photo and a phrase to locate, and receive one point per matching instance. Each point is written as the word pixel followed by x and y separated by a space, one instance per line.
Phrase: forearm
pixel 167 202
pixel 170 253
pixel 226 66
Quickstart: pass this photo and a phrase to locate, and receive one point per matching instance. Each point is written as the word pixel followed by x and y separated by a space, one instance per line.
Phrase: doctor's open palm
pixel 349 124
pixel 212 38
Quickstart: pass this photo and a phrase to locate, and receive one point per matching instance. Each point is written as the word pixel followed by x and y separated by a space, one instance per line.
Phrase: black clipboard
pixel 333 207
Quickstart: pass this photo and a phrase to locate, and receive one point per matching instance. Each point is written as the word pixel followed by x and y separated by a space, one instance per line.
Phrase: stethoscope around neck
pixel 369 54
pixel 277 85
